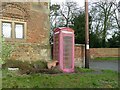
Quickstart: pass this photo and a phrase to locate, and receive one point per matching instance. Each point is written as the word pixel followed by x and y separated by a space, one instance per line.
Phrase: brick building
pixel 26 27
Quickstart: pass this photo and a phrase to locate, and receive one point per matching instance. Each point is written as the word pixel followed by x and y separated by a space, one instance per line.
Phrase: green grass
pixel 83 70
pixel 81 79
pixel 107 58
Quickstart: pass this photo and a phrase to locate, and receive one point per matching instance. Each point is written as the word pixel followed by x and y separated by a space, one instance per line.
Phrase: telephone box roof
pixel 63 29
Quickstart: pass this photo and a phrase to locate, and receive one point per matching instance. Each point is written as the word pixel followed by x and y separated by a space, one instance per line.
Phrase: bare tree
pixel 104 17
pixel 116 15
pixel 65 13
pixel 54 13
pixel 62 15
pixel 69 10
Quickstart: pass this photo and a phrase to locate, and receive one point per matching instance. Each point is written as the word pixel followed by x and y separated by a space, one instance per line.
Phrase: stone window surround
pixel 13 22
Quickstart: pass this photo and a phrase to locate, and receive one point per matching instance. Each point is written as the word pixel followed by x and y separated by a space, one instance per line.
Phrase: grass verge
pixel 107 58
pixel 107 79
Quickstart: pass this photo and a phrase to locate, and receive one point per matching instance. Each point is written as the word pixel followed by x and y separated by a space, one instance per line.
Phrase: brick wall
pixel 104 52
pixel 38 28
pixel 79 55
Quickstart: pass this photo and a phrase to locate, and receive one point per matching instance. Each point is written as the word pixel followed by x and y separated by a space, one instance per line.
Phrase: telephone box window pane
pixel 67 52
pixel 6 29
pixel 19 30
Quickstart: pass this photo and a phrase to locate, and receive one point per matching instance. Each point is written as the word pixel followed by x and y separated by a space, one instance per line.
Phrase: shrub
pixel 6 49
pixel 39 65
pixel 30 68
pixel 24 67
pixel 55 70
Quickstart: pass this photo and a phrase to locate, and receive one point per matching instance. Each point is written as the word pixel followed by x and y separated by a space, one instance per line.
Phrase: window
pixel 6 29
pixel 13 29
pixel 19 30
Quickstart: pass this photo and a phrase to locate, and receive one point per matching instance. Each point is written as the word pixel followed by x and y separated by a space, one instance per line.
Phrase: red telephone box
pixel 63 48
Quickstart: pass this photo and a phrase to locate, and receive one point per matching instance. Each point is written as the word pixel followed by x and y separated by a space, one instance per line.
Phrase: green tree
pixel 95 41
pixel 114 41
pixel 79 27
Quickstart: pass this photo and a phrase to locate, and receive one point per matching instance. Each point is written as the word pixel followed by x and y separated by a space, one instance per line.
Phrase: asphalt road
pixel 104 65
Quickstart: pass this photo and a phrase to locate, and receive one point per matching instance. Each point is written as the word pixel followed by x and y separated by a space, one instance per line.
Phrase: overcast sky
pixel 81 3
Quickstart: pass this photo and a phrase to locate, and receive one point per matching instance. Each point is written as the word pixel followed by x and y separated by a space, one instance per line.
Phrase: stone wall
pixel 30 52
pixel 104 52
